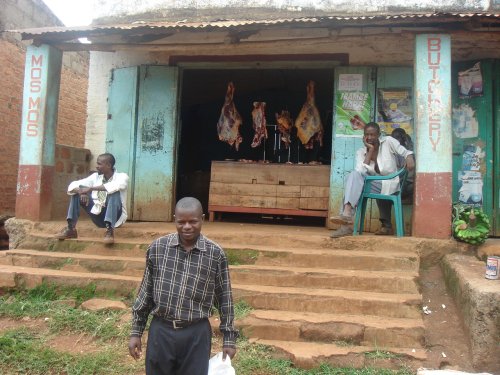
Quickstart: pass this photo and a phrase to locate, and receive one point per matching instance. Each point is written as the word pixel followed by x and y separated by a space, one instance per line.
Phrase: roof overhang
pixel 152 35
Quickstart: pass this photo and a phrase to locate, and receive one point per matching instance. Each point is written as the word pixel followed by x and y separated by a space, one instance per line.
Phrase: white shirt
pixel 387 160
pixel 119 182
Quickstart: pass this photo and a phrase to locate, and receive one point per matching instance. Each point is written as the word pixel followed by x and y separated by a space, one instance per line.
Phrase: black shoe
pixel 109 237
pixel 67 233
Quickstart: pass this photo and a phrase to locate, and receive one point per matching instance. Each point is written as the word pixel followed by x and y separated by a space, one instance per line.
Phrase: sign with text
pixel 433 103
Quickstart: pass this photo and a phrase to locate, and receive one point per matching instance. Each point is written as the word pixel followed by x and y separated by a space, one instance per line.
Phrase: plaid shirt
pixel 181 285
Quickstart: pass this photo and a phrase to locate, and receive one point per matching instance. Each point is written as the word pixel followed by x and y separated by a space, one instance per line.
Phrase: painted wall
pixel 232 9
pixel 72 100
pixel 100 70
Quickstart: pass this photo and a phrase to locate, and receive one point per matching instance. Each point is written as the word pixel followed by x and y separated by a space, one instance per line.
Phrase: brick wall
pixel 72 164
pixel 12 73
pixel 72 113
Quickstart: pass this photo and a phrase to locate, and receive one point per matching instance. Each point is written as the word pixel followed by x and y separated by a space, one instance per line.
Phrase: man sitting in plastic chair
pixel 377 157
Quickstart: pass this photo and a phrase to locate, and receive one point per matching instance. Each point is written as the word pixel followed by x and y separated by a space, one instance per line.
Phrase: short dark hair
pixel 110 158
pixel 373 125
pixel 190 203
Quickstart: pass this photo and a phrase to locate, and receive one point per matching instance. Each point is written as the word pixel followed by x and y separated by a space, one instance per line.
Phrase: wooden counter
pixel 279 189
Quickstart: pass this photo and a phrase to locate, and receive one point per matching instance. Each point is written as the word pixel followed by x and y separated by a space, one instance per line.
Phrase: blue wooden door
pixel 142 134
pixel 395 82
pixel 155 151
pixel 352 82
pixel 121 124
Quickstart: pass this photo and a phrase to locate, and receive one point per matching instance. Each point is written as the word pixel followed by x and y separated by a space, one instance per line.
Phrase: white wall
pixel 101 64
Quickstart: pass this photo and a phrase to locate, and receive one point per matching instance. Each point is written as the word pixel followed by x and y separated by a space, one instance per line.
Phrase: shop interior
pixel 202 97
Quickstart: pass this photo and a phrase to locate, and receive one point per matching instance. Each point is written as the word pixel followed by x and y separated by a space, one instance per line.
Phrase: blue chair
pixel 395 198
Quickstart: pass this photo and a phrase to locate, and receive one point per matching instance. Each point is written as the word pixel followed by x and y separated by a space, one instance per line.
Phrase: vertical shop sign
pixel 433 102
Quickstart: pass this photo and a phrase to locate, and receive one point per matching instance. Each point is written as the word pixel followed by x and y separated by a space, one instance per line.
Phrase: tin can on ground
pixel 492 267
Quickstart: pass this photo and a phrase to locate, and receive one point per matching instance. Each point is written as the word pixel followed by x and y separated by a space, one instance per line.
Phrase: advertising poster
pixel 353 110
pixel 470 82
pixel 464 122
pixel 470 178
pixel 395 110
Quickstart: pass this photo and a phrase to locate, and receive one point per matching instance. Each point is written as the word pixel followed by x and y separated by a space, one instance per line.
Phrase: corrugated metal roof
pixel 225 24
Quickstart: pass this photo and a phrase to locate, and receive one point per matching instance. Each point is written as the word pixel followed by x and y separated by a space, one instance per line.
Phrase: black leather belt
pixel 179 324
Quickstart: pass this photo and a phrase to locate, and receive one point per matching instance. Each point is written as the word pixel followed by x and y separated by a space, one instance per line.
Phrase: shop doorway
pixel 203 94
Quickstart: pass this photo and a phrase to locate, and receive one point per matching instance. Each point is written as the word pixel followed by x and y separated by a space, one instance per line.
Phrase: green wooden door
pixel 496 150
pixel 473 131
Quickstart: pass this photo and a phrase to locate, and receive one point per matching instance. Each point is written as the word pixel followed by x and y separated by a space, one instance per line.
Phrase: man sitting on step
pixel 103 195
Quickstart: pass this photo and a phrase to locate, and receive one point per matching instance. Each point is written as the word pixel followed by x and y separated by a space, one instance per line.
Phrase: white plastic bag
pixel 216 366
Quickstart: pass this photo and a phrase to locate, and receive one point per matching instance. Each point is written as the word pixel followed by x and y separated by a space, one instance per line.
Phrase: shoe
pixel 67 233
pixel 109 237
pixel 384 231
pixel 341 219
pixel 344 230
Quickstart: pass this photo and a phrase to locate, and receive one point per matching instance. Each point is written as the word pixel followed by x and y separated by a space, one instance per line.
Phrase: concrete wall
pixel 17 14
pixel 72 164
pixel 260 9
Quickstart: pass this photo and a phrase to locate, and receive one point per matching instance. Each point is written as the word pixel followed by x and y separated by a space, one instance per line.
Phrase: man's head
pixel 372 133
pixel 105 164
pixel 400 135
pixel 188 220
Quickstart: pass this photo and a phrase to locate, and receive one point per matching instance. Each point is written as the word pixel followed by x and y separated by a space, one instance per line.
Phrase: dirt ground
pixel 445 336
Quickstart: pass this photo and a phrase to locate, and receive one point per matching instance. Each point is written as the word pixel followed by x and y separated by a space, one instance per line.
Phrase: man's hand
pixel 227 351
pixel 135 347
pixel 84 199
pixel 410 163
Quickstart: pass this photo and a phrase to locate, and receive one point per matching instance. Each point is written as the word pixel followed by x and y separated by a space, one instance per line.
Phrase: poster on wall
pixel 350 82
pixel 471 188
pixel 470 179
pixel 353 109
pixel 464 122
pixel 395 110
pixel 470 82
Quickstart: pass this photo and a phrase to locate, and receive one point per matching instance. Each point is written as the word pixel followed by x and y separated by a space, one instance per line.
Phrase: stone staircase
pixel 346 302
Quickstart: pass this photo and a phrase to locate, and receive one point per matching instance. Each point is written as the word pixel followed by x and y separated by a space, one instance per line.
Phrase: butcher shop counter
pixel 264 188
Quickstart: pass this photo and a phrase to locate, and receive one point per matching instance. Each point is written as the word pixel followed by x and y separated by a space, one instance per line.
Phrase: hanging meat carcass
pixel 230 120
pixel 285 124
pixel 308 122
pixel 259 123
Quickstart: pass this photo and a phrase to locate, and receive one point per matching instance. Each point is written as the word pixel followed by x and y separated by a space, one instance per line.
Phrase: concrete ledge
pixel 478 299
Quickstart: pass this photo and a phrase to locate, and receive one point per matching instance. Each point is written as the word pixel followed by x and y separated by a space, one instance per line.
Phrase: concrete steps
pixel 310 354
pixel 351 330
pixel 331 300
pixel 315 299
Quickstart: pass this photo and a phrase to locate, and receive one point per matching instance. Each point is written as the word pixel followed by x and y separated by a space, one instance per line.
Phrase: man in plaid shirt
pixel 186 276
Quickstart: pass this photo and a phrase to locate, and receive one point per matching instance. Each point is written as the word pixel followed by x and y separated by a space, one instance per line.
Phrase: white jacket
pixel 387 161
pixel 118 183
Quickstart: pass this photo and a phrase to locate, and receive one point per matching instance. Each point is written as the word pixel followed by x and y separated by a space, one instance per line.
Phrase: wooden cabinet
pixel 281 189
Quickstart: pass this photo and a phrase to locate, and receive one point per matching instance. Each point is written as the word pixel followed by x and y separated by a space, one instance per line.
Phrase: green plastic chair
pixel 395 198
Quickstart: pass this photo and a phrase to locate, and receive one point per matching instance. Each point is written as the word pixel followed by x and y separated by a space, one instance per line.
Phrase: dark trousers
pixel 384 206
pixel 111 213
pixel 184 351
